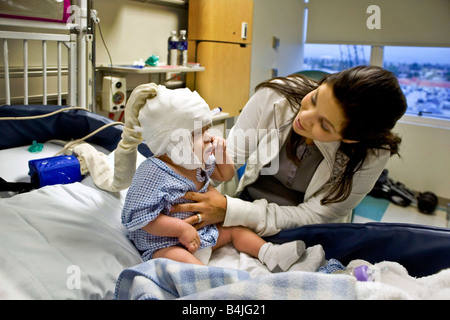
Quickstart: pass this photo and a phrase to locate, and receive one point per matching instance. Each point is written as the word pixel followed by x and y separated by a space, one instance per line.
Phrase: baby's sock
pixel 279 258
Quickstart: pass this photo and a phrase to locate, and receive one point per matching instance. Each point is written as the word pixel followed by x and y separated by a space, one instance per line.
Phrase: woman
pixel 333 140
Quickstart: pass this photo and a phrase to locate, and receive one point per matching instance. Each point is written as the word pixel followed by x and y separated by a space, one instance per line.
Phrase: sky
pixel 391 54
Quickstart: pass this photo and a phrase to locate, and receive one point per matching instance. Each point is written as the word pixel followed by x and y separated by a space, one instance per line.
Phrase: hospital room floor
pixel 381 210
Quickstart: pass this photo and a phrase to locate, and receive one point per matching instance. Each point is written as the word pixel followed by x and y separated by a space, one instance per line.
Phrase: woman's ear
pixel 349 141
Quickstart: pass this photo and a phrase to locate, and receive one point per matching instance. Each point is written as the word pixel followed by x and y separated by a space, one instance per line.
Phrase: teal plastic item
pixel 54 170
pixel 35 147
pixel 152 60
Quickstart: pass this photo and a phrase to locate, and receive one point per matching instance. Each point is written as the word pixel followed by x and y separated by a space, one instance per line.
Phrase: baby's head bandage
pixel 168 121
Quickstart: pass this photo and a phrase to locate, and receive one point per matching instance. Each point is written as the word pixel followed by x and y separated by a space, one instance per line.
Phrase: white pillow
pixel 65 241
pixel 56 237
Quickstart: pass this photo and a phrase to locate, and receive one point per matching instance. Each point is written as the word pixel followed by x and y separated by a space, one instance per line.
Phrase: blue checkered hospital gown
pixel 155 188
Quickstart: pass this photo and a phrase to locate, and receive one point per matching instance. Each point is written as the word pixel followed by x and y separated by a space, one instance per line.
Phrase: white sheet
pixel 50 235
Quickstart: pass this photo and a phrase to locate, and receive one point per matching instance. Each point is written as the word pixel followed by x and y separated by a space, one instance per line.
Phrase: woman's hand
pixel 211 205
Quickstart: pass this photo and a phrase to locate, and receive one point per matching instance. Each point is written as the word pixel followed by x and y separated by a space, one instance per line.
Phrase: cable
pixel 103 40
pixel 43 115
pixel 97 21
pixel 74 142
pixel 71 143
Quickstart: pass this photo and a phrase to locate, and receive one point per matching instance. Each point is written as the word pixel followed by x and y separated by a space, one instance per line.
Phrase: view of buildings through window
pixel 423 73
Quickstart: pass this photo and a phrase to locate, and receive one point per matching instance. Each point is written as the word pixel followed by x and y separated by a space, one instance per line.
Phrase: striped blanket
pixel 167 279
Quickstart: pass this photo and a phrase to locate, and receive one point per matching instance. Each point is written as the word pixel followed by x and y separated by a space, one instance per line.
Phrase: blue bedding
pixel 422 250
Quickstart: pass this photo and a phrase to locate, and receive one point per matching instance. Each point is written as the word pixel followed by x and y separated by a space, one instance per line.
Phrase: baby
pixel 185 158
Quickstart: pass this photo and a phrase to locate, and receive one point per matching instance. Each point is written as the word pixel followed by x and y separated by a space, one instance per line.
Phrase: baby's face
pixel 203 147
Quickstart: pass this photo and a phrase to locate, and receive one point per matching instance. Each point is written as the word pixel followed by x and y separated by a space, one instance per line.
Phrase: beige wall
pixel 425 159
pixel 285 22
pixel 134 30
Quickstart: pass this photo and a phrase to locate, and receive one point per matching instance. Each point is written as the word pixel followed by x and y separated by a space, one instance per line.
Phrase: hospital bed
pixel 66 241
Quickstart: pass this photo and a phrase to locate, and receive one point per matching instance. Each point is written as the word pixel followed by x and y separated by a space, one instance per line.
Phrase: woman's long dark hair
pixel 372 101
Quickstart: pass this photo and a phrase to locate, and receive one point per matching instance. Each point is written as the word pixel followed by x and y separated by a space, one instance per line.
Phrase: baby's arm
pixel 224 170
pixel 166 226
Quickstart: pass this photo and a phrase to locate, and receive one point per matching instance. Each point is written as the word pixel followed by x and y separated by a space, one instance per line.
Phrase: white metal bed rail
pixel 68 40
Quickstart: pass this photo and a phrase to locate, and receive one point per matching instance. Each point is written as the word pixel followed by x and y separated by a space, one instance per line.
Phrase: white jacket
pixel 271 116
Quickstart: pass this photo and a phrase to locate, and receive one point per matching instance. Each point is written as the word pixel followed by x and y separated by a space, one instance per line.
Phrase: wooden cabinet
pixel 220 20
pixel 225 81
pixel 217 42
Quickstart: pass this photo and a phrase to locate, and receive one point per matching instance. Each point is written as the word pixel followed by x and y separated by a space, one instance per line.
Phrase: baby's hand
pixel 219 144
pixel 190 238
pixel 220 149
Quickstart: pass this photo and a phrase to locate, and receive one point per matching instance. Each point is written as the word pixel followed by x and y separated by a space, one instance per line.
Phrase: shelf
pixel 170 3
pixel 146 70
pixel 220 117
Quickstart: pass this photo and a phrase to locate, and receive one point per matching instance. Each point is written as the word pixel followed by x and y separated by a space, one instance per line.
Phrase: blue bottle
pixel 172 48
pixel 182 48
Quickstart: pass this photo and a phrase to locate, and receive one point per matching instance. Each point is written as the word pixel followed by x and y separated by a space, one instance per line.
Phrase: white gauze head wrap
pixel 168 121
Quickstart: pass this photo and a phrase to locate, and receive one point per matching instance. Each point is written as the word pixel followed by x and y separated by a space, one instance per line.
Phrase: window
pixel 423 72
pixel 334 57
pixel 424 75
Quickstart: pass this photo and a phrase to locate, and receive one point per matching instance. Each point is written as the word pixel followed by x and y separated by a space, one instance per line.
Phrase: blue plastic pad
pixel 54 170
